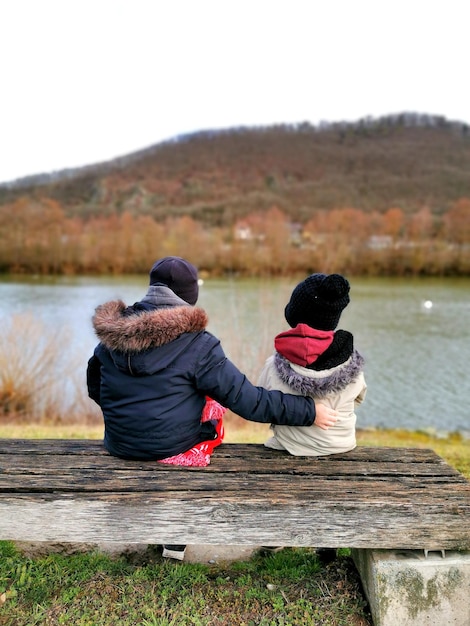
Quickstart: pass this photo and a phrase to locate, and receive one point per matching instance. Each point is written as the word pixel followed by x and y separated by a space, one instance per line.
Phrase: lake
pixel 413 333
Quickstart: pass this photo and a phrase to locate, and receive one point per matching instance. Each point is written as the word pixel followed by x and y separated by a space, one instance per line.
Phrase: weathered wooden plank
pixel 89 447
pixel 43 464
pixel 126 478
pixel 228 456
pixel 367 454
pixel 94 447
pixel 173 520
pixel 132 480
pixel 457 504
pixel 72 490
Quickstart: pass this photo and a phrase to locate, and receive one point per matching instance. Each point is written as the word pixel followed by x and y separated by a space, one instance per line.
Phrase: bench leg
pixel 406 587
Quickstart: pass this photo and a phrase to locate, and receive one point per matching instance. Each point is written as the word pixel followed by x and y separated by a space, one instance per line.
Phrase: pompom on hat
pixel 177 274
pixel 318 301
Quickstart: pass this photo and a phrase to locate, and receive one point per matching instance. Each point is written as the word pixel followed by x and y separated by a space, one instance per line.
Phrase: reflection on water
pixel 413 333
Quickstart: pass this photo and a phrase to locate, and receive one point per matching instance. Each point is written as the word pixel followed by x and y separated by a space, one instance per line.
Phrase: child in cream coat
pixel 313 359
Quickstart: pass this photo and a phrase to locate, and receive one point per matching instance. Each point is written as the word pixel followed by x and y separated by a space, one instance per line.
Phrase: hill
pixel 407 160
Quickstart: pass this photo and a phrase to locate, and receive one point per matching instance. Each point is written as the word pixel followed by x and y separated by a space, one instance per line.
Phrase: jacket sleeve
pixel 362 394
pixel 220 379
pixel 93 379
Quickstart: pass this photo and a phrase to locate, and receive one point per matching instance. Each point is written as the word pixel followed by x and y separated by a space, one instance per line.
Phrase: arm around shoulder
pixel 220 379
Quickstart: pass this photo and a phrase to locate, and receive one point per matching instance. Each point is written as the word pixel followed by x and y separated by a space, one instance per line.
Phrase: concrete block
pixel 218 553
pixel 406 588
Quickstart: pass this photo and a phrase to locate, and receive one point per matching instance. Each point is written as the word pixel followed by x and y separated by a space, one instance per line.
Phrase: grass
pixel 290 587
pixel 286 588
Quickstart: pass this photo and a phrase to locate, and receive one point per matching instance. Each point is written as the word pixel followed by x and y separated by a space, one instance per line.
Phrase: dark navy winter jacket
pixel 154 367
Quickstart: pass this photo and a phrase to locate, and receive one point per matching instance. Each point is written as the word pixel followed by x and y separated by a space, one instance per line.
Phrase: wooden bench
pixel 387 498
pixel 370 499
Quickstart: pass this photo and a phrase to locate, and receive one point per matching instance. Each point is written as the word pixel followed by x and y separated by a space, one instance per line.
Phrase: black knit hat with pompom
pixel 318 301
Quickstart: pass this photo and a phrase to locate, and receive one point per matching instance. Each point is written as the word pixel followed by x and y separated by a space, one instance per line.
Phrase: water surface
pixel 416 355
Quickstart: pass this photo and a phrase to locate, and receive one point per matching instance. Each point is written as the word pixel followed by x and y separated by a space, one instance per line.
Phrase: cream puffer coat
pixel 341 387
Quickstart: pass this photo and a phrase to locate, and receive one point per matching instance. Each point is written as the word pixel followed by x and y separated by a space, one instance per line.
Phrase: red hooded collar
pixel 303 345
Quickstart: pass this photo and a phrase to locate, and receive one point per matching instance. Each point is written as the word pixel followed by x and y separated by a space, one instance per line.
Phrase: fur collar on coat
pixel 318 384
pixel 145 330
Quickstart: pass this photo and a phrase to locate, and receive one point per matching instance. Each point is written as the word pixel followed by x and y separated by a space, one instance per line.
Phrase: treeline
pixel 219 177
pixel 38 237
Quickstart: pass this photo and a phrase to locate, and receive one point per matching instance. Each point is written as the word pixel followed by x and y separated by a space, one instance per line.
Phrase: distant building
pixel 242 232
pixel 380 242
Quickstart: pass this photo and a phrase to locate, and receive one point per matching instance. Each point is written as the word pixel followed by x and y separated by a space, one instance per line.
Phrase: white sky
pixel 84 81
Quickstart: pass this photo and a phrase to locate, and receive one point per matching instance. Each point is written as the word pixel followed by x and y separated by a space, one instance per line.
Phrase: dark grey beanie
pixel 318 301
pixel 177 274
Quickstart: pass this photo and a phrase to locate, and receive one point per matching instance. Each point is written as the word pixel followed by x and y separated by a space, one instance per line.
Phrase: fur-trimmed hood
pixel 319 384
pixel 146 330
pixel 145 342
